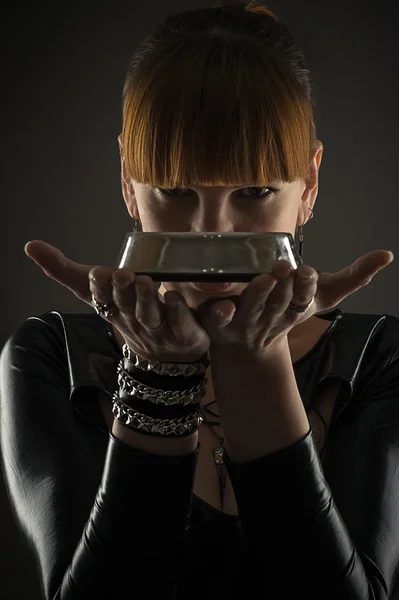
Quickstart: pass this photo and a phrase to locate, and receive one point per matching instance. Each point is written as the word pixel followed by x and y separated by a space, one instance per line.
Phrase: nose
pixel 213 217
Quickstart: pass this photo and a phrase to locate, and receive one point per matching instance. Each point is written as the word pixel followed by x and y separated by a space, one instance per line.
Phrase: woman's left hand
pixel 259 318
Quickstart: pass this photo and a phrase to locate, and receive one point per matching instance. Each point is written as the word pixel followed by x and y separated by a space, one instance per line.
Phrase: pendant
pixel 221 468
pixel 218 455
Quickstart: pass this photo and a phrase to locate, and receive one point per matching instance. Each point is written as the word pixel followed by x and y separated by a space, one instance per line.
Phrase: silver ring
pixel 104 309
pixel 300 309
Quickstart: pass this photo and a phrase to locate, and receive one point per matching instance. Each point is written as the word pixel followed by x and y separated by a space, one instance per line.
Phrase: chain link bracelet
pixel 177 427
pixel 132 387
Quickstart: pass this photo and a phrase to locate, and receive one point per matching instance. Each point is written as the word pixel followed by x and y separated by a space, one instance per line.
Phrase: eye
pixel 170 191
pixel 182 191
pixel 259 189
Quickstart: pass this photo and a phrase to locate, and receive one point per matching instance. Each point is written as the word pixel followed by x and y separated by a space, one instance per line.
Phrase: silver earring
pixel 137 227
pixel 300 248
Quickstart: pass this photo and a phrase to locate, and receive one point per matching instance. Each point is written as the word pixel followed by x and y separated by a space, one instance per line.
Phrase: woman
pixel 276 478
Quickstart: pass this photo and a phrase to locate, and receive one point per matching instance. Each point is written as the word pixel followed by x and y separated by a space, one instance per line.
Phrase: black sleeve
pixel 332 535
pixel 126 539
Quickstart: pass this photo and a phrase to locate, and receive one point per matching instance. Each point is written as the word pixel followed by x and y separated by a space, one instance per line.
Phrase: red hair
pixel 218 96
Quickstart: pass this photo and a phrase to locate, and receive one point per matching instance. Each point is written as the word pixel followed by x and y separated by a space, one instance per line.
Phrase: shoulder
pixel 47 334
pixel 48 354
pixel 368 346
pixel 381 330
pixel 359 333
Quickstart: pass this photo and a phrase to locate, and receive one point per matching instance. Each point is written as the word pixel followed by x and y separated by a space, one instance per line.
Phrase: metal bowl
pixel 207 256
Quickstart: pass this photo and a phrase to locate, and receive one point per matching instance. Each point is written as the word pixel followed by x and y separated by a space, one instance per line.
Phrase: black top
pixel 108 521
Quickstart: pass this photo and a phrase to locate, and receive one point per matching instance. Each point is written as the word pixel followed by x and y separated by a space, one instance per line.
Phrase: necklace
pixel 218 451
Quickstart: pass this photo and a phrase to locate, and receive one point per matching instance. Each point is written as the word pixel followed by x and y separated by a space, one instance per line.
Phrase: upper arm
pixel 336 526
pixel 43 462
pixel 363 474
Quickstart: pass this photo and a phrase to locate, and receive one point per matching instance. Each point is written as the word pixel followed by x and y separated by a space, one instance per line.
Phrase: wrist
pixel 163 382
pixel 152 404
pixel 161 367
pixel 224 353
pixel 155 444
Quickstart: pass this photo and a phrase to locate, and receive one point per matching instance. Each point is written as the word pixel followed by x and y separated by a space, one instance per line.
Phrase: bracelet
pixel 161 427
pixel 162 382
pixel 132 387
pixel 166 368
pixel 157 411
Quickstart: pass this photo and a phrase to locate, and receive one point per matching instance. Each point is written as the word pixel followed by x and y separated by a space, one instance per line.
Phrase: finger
pixel 149 311
pixel 214 313
pixel 281 295
pixel 219 317
pixel 261 288
pixel 305 285
pixel 255 296
pixel 57 266
pixel 364 268
pixel 101 285
pixel 267 289
pixel 181 320
pixel 337 286
pixel 124 292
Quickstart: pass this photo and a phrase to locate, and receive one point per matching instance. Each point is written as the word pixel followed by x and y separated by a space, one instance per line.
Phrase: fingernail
pixel 121 283
pixel 100 279
pixel 176 304
pixel 392 256
pixel 221 315
pixel 305 278
pixel 143 289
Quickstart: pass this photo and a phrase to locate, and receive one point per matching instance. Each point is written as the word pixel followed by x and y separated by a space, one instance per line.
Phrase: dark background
pixel 63 67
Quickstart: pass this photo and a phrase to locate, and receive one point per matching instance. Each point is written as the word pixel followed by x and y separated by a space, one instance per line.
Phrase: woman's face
pixel 279 207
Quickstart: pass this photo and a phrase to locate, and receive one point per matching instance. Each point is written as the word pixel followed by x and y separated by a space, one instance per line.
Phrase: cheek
pixel 149 217
pixel 157 217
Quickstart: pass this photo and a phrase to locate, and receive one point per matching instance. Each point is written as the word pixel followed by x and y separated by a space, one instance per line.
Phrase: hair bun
pixel 255 6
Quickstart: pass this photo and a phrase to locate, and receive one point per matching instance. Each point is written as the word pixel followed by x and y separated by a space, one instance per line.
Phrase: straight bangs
pixel 217 109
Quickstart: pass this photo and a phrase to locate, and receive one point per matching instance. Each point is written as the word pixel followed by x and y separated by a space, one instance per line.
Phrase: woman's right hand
pixel 154 327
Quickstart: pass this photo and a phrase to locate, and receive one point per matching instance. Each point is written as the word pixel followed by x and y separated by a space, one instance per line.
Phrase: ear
pixel 128 192
pixel 312 186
